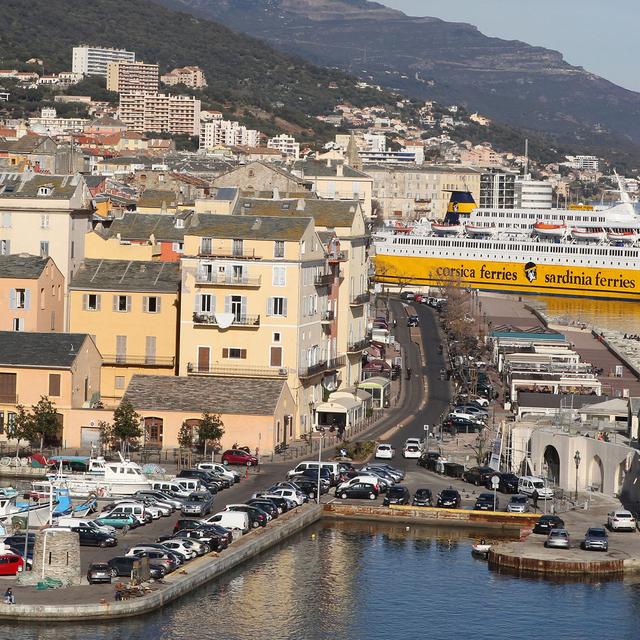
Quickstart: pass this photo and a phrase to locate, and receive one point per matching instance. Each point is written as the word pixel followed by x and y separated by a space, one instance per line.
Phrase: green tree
pixel 43 420
pixel 185 436
pixel 107 439
pixel 126 425
pixel 210 429
pixel 20 428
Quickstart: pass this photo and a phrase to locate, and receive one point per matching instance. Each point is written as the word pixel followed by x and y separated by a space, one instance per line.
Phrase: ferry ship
pixel 582 252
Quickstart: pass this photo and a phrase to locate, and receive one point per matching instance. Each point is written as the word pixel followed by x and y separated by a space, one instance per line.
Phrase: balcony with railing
pixel 327 316
pixel 357 346
pixel 338 256
pixel 228 252
pixel 323 280
pixel 210 320
pixel 139 361
pixel 9 398
pixel 322 366
pixel 359 298
pixel 237 371
pixel 226 280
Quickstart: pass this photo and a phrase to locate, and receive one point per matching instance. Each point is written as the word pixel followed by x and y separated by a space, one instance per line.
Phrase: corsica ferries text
pixel 485 273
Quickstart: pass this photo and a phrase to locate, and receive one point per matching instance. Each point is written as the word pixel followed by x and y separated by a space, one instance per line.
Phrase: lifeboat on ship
pixel 624 237
pixel 446 229
pixel 400 227
pixel 596 235
pixel 478 230
pixel 550 230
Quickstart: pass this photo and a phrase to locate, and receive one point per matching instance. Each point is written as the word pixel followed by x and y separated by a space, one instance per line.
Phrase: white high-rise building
pixel 533 194
pixel 285 144
pixel 227 133
pixel 160 112
pixel 93 61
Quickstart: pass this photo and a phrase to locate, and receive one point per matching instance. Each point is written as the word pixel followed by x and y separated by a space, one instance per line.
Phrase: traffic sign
pixel 495 482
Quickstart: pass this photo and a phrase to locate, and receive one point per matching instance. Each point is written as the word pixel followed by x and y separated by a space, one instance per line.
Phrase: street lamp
pixel 576 459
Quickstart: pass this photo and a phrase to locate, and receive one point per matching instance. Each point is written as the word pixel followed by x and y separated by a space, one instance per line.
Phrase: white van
pixel 190 485
pixel 171 487
pixel 220 470
pixel 70 522
pixel 528 484
pixel 332 467
pixel 231 520
pixel 133 508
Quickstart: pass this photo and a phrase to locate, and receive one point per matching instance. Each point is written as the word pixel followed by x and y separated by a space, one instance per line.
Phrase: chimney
pixel 301 204
pixel 329 163
pixel 340 170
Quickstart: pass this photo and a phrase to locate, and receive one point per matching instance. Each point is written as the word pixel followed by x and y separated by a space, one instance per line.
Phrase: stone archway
pixel 596 474
pixel 551 464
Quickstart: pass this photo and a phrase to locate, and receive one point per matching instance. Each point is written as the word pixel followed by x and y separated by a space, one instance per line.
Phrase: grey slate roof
pixel 126 275
pixel 197 394
pixel 140 226
pixel 24 348
pixel 554 401
pixel 22 265
pixel 249 227
pixel 310 168
pixel 26 186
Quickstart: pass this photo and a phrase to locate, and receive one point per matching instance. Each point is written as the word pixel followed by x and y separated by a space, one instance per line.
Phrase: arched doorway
pixel 596 474
pixel 153 432
pixel 551 465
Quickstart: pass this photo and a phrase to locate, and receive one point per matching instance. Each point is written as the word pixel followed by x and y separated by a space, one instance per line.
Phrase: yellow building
pixel 131 309
pixel 31 294
pixel 63 366
pixel 252 305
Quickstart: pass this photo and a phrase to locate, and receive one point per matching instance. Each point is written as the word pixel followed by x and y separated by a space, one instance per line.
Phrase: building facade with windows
pixel 188 76
pixel 131 309
pixel 252 305
pixel 31 294
pixel 129 77
pixel 160 112
pixel 287 145
pixel 93 61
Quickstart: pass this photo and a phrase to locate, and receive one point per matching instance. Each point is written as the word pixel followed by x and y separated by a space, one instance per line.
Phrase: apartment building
pixel 65 367
pixel 31 294
pixel 335 180
pixel 131 310
pixel 407 192
pixel 217 132
pixel 287 145
pixel 160 112
pixel 251 306
pixel 93 61
pixel 498 189
pixel 533 194
pixel 188 76
pixel 132 77
pixel 45 215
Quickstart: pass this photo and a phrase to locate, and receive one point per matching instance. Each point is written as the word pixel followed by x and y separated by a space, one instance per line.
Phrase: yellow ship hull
pixel 509 277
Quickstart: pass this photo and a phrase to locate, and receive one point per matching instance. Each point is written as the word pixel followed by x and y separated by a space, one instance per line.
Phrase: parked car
pixel 257 517
pixel 449 499
pixel 413 321
pixel 94 538
pixel 165 558
pixel 10 563
pixel 473 417
pixel 161 496
pixel 293 494
pixel 456 424
pixel 199 503
pixel 395 473
pixel 422 498
pixel 123 521
pixel 239 456
pixel 399 494
pixel 220 470
pixel 207 535
pixel 548 522
pixel 413 441
pixel 266 505
pixel 385 452
pixel 179 546
pixel 596 539
pixel 407 295
pixel 487 502
pixel 369 479
pixel 528 484
pixel 478 475
pixel 358 490
pixel 123 566
pixel 518 504
pixel 508 483
pixel 98 572
pixel 231 520
pixel 558 539
pixel 621 520
pixel 411 451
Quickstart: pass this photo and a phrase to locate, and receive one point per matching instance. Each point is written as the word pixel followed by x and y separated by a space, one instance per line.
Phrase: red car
pixel 238 456
pixel 10 564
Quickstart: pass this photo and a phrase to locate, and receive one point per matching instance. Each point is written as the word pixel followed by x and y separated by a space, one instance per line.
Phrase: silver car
pixel 558 539
pixel 518 504
pixel 596 539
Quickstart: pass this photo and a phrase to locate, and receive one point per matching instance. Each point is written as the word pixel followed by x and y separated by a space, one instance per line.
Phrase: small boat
pixel 477 230
pixel 446 229
pixel 481 550
pixel 553 230
pixel 597 235
pixel 8 492
pixel 626 237
pixel 84 509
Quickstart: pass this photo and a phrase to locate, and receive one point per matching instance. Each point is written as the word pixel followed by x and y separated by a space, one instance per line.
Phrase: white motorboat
pixel 37 515
pixel 481 549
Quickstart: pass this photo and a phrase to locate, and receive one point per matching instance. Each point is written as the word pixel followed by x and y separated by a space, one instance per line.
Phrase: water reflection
pixel 363 581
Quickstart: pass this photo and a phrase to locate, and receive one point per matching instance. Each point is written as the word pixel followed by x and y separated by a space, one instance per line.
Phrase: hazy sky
pixel 598 35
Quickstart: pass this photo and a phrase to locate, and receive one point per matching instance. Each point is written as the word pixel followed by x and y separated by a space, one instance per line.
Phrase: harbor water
pixel 366 581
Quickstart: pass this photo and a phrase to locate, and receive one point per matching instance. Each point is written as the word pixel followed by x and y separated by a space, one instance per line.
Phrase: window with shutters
pixel 21 298
pixel 151 304
pixel 279 276
pixel 6 220
pixel 121 349
pixel 44 249
pixel 278 249
pixel 205 303
pixel 277 306
pixel 205 246
pixel 119 382
pixel 5 247
pixel 44 221
pixel 275 357
pixel 1 421
pixel 18 324
pixel 54 384
pixel 92 302
pixel 122 303
pixel 237 247
pixel 8 388
pixel 150 350
pixel 234 353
